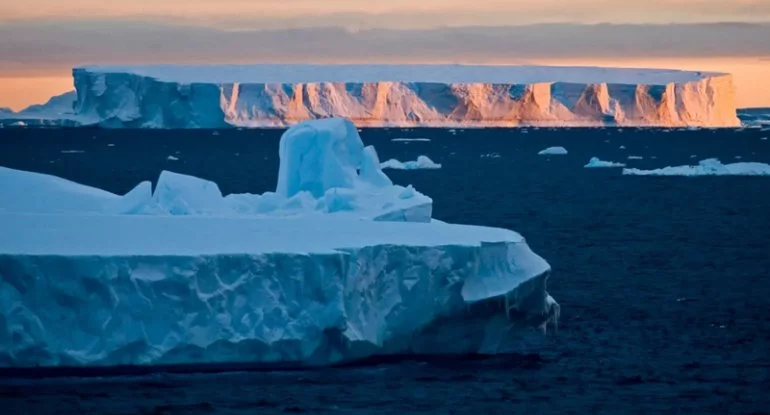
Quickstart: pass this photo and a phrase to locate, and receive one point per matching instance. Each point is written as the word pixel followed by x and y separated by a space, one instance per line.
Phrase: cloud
pixel 255 14
pixel 52 46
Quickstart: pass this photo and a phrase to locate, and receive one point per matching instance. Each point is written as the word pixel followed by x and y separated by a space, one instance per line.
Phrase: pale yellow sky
pixel 41 40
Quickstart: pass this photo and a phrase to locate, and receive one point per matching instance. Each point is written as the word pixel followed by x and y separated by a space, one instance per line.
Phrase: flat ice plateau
pixel 270 95
pixel 176 275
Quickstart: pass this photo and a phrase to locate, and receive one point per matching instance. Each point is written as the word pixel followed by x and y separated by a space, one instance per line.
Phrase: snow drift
pixel 175 96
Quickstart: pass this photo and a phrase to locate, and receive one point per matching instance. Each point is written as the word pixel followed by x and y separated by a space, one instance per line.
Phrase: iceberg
pixel 185 275
pixel 410 140
pixel 324 168
pixel 422 162
pixel 594 163
pixel 553 151
pixel 707 167
pixel 103 290
pixel 449 96
pixel 58 110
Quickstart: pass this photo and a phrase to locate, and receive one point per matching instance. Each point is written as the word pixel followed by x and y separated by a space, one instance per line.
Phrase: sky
pixel 41 40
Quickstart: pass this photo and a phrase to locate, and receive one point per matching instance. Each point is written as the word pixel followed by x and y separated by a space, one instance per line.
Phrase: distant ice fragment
pixel 707 167
pixel 596 163
pixel 635 157
pixel 553 151
pixel 422 162
pixel 172 158
pixel 406 140
pixel 72 151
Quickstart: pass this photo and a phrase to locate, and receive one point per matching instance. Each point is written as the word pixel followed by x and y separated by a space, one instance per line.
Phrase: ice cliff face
pixel 401 95
pixel 192 289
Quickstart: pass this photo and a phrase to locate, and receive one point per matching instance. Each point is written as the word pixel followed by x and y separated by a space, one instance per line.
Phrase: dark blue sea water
pixel 664 282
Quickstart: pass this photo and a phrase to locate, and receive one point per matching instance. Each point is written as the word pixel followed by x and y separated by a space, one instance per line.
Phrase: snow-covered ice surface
pixel 422 162
pixel 324 169
pixel 595 162
pixel 214 96
pixel 707 167
pixel 553 151
pixel 183 275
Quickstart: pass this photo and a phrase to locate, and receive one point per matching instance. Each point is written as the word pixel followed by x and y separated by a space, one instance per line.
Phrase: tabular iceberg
pixel 175 96
pixel 179 276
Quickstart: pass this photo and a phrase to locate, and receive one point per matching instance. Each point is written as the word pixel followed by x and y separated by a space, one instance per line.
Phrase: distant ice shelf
pixel 217 96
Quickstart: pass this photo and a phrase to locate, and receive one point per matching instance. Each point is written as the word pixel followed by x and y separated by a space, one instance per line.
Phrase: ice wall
pixel 115 290
pixel 401 95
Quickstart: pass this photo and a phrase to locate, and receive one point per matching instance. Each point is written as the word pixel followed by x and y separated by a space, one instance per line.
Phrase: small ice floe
pixel 553 151
pixel 596 163
pixel 110 145
pixel 490 156
pixel 422 162
pixel 708 167
pixel 72 151
pixel 635 157
pixel 172 158
pixel 408 140
pixel 622 147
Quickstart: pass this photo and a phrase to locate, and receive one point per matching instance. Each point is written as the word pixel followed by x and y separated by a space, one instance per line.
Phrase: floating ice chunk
pixel 407 140
pixel 319 155
pixel 707 167
pixel 72 151
pixel 172 158
pixel 422 162
pixel 635 157
pixel 622 147
pixel 490 155
pixel 596 163
pixel 763 138
pixel 19 124
pixel 553 151
pixel 180 194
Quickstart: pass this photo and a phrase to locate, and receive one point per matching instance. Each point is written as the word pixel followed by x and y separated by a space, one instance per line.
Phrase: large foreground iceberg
pixel 707 167
pixel 215 96
pixel 115 290
pixel 182 275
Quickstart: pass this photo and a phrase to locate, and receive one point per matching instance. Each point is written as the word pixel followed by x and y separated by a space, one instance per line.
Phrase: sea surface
pixel 664 282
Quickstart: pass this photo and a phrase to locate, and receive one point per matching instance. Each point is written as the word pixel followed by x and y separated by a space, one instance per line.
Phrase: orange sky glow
pixel 40 40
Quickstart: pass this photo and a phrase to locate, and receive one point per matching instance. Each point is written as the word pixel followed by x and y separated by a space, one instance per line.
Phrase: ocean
pixel 664 282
